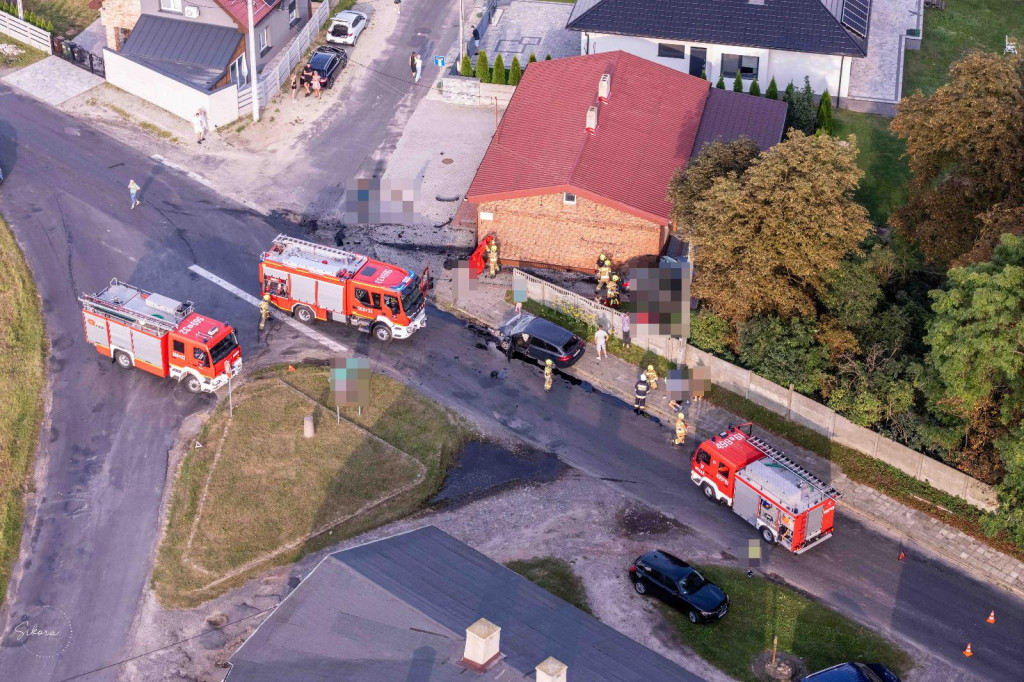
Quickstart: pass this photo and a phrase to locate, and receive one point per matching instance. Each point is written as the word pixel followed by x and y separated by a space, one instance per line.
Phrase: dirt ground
pixel 576 518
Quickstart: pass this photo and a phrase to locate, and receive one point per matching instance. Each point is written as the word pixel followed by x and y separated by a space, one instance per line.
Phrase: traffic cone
pixel 902 556
pixel 290 368
pixel 967 651
pixel 991 617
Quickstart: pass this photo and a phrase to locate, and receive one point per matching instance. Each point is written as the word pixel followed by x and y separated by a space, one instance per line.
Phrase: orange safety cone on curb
pixel 290 368
pixel 967 651
pixel 991 617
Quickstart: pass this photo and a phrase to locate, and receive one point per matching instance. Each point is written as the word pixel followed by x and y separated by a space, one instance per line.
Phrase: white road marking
pixel 325 341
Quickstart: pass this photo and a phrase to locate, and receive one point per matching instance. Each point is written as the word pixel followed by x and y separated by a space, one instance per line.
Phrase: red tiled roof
pixel 645 131
pixel 238 10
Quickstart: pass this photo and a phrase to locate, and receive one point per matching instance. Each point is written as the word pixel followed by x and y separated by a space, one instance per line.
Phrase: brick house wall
pixel 545 231
pixel 119 18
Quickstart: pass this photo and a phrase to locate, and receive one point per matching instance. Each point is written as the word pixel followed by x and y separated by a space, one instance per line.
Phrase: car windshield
pixel 693 582
pixel 412 297
pixel 223 348
pixel 867 672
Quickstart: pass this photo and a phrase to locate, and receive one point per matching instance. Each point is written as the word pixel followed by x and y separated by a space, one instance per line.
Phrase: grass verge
pixel 69 17
pixel 271 487
pixel 22 380
pixel 884 185
pixel 555 576
pixel 869 471
pixel 951 33
pixel 29 55
pixel 634 355
pixel 761 609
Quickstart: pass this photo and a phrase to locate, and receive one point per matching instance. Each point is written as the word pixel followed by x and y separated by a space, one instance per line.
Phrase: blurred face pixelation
pixel 350 382
pixel 662 297
pixel 374 201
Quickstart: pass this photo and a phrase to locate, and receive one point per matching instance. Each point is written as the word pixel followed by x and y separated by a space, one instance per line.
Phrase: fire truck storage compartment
pixel 331 297
pixel 303 289
pixel 745 502
pixel 814 518
pixel 147 349
pixel 96 331
pixel 120 336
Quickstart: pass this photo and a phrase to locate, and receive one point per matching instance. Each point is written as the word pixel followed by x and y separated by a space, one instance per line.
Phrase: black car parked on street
pixel 328 61
pixel 541 340
pixel 853 672
pixel 679 585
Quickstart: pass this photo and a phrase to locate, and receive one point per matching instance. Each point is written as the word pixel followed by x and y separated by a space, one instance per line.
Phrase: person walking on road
pixel 601 341
pixel 134 190
pixel 418 67
pixel 412 64
pixel 640 392
pixel 549 374
pixel 197 127
pixel 264 311
pixel 680 429
pixel 476 40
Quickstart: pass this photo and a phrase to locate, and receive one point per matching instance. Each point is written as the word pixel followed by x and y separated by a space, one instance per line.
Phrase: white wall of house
pixel 176 97
pixel 825 71
pixel 209 11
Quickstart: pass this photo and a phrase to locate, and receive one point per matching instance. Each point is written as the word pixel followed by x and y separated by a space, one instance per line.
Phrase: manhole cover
pixel 447 161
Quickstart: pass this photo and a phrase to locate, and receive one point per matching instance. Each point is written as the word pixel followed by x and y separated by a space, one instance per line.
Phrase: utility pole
pixel 21 10
pixel 462 33
pixel 253 75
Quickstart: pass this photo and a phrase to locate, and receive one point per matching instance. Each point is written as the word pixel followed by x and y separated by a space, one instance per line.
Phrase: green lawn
pixel 69 17
pixel 28 55
pixel 951 33
pixel 761 609
pixel 555 576
pixel 884 185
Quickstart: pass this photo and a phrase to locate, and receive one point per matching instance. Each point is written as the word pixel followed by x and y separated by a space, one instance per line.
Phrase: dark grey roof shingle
pixel 198 54
pixel 729 115
pixel 797 25
pixel 397 610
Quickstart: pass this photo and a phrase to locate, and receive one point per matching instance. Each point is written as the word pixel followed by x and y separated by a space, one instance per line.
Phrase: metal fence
pixel 67 49
pixel 276 72
pixel 25 32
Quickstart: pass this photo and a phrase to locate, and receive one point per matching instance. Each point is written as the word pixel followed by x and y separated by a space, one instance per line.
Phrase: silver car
pixel 346 27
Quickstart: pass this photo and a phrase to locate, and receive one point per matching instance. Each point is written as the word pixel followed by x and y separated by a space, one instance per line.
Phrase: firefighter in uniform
pixel 492 259
pixel 680 429
pixel 604 274
pixel 640 395
pixel 549 374
pixel 612 293
pixel 600 261
pixel 264 311
pixel 652 377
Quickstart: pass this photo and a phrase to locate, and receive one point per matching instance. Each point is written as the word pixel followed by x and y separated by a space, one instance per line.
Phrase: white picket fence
pixel 26 32
pixel 276 72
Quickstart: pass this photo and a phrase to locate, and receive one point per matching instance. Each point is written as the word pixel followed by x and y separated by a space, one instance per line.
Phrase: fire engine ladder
pixel 347 260
pixel 153 323
pixel 788 463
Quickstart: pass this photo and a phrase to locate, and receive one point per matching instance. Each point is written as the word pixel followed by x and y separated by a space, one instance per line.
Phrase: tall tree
pixel 498 71
pixel 483 69
pixel 789 97
pixel 515 72
pixel 964 145
pixel 764 241
pixel 824 121
pixel 715 160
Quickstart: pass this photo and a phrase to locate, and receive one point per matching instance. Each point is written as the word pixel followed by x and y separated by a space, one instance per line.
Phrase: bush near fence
pixel 25 31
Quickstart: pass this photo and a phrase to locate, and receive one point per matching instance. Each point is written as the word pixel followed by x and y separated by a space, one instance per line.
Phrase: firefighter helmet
pixel 548 362
pixel 615 278
pixel 266 297
pixel 650 368
pixel 681 417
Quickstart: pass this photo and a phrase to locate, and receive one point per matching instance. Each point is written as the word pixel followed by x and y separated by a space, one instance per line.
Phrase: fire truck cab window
pixel 703 457
pixel 391 302
pixel 200 355
pixel 723 470
pixel 368 299
pixel 179 347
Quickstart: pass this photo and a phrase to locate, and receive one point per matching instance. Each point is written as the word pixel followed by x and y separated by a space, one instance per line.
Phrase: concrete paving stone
pixel 530 26
pixel 878 75
pixel 53 80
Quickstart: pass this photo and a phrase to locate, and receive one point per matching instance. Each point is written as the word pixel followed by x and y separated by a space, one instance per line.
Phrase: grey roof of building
pixel 729 115
pixel 818 26
pixel 398 609
pixel 194 53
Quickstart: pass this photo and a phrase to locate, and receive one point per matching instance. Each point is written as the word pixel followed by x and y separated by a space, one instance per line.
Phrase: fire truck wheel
pixel 382 332
pixel 768 535
pixel 193 384
pixel 123 360
pixel 709 492
pixel 304 314
pixel 640 587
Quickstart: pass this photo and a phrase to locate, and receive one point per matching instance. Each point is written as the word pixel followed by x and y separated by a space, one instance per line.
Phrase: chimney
pixel 482 645
pixel 591 119
pixel 604 87
pixel 552 670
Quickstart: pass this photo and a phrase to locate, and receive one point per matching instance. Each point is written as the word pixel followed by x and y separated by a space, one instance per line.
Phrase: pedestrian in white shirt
pixel 601 341
pixel 419 67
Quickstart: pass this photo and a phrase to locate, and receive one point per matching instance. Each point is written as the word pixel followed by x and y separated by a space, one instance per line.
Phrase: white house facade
pixel 760 39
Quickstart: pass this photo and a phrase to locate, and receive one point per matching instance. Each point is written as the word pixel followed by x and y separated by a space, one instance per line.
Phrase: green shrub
pixel 548 58
pixel 712 333
pixel 466 68
pixel 825 113
pixel 721 83
pixel 773 90
pixel 737 83
pixel 498 77
pixel 784 352
pixel 483 69
pixel 533 58
pixel 704 74
pixel 515 72
pixel 755 89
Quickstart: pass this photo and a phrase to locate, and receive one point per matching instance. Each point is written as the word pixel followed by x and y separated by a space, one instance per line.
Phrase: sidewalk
pixel 615 376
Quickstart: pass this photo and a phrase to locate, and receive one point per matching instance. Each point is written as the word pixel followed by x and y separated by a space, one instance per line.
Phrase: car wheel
pixel 382 332
pixel 709 492
pixel 768 535
pixel 304 314
pixel 694 617
pixel 193 384
pixel 640 587
pixel 330 82
pixel 123 360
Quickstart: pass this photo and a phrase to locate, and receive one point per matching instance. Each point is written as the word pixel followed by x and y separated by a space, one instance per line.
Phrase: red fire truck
pixel 784 501
pixel 316 282
pixel 162 336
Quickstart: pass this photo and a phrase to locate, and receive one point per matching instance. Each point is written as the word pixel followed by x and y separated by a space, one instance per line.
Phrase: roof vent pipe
pixel 604 87
pixel 482 650
pixel 552 670
pixel 591 119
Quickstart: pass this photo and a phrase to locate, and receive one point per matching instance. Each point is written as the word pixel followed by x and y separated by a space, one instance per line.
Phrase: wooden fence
pixel 26 32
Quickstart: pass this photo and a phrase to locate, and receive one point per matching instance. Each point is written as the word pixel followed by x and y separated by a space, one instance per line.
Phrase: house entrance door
pixel 698 59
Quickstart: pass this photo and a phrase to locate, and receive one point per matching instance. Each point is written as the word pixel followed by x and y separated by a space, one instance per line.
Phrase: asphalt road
pixel 103 470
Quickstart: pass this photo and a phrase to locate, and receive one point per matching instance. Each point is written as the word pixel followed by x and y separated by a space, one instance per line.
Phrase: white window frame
pixel 739 66
pixel 566 198
pixel 671 51
pixel 264 39
pixel 175 6
pixel 239 70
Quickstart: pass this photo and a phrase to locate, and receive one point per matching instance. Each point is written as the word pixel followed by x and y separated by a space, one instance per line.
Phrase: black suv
pixel 678 584
pixel 328 61
pixel 541 340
